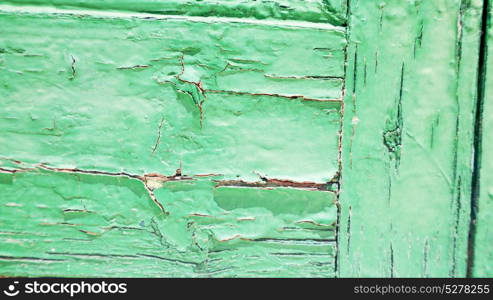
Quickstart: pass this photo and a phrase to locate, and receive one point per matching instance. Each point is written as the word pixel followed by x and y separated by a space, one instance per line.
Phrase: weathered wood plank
pixel 150 145
pixel 149 96
pixel 408 135
pixel 73 224
pixel 482 239
pixel 333 11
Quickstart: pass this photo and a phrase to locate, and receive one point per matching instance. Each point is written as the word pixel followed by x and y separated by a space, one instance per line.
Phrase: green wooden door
pixel 278 138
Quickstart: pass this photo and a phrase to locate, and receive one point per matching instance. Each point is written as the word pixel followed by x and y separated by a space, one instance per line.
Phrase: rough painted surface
pixel 176 93
pixel 483 239
pixel 76 224
pixel 408 136
pixel 332 11
pixel 149 145
pixel 202 138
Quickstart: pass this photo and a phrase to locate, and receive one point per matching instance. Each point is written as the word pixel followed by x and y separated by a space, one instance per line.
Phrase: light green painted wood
pixel 148 96
pixel 74 224
pixel 408 136
pixel 202 138
pixel 138 144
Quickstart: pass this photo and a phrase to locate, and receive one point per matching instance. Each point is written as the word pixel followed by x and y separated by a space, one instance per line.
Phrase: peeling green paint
pixel 239 138
pixel 86 225
pixel 175 100
pixel 156 146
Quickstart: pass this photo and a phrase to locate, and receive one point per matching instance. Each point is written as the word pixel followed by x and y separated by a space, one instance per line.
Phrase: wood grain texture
pixel 410 100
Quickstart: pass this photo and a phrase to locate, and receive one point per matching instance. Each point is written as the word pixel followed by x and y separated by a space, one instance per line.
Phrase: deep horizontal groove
pixel 93 172
pixel 273 183
pixel 293 240
pixel 321 77
pixel 155 177
pixel 13 171
pixel 27 258
pixel 153 16
pixel 299 254
pixel 330 229
pixel 300 97
pixel 138 255
pixel 93 254
pixel 168 259
pixel 144 177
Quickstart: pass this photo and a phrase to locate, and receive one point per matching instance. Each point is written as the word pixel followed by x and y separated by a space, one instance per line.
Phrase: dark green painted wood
pixel 482 239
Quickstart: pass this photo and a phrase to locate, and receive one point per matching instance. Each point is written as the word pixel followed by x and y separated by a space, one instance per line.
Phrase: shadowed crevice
pixel 478 131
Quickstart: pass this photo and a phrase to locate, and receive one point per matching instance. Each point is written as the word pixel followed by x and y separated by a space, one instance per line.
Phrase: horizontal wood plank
pixel 151 145
pixel 333 11
pixel 145 96
pixel 69 224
